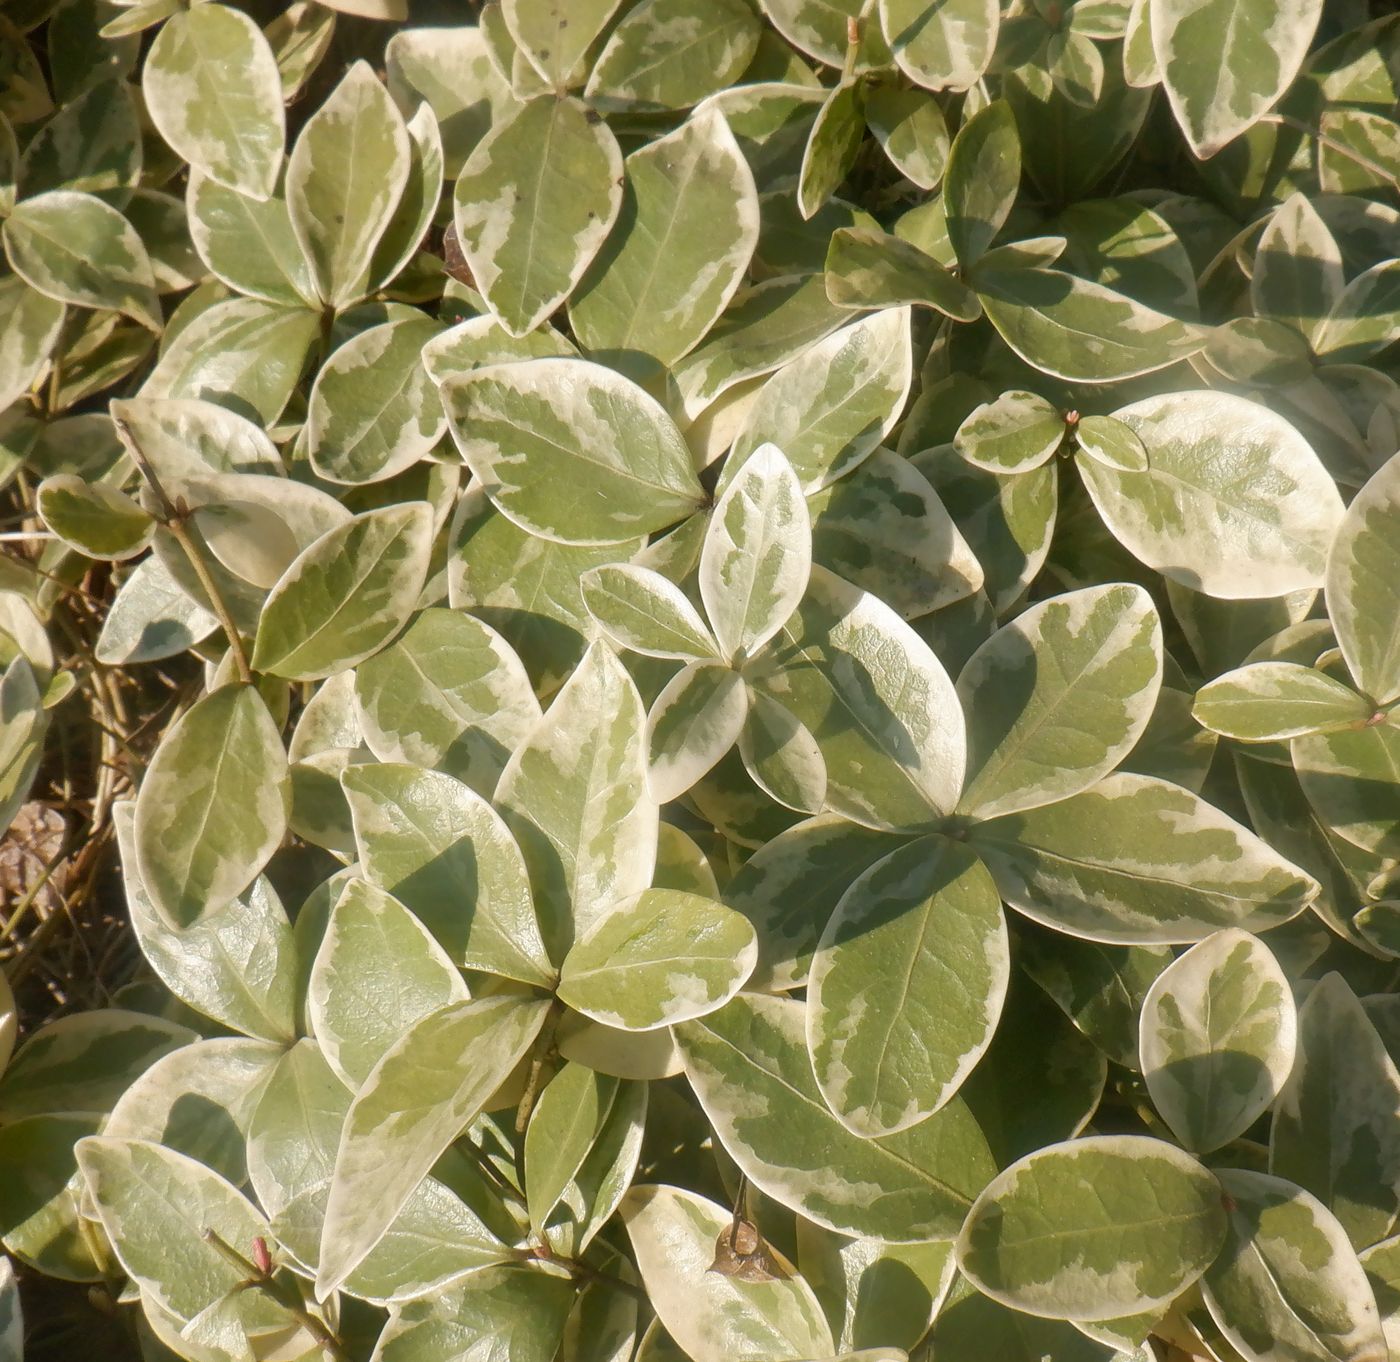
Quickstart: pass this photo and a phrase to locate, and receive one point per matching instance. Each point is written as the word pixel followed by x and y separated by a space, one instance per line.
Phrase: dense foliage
pixel 786 626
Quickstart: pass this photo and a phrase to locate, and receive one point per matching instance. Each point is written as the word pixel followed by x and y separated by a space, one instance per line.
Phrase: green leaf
pixel 678 252
pixel 77 249
pixel 574 794
pixel 1335 1132
pixel 781 755
pixel 236 965
pixel 373 411
pixel 1274 701
pixel 1363 318
pixel 378 972
pixel 444 853
pixel 247 243
pixel 156 1205
pixel 869 268
pixel 972 1326
pixel 517 1311
pixel 1077 329
pixel 92 145
pixel 212 807
pixel 712 1316
pixel 1256 50
pixel 1136 860
pixel 28 337
pixel 906 987
pixel 832 406
pixel 1363 584
pixel 556 35
pixel 946 47
pixel 1015 433
pixel 670 54
pixel 1035 1242
pixel 1218 1036
pixel 1200 515
pixel 1297 268
pixel 876 699
pixel 695 720
pixel 94 519
pixel 1111 443
pixel 533 205
pixel 656 959
pixel 1057 698
pixel 820 28
pixel 344 178
pixel 832 147
pixel 413 216
pixel 910 126
pixel 749 1066
pixel 1288 1284
pixel 11 1316
pixel 571 450
pixel 983 177
pixel 1352 780
pixel 757 554
pixel 151 618
pixel 645 612
pixel 82 1063
pixel 448 693
pixel 345 595
pixel 212 90
pixel 418 1098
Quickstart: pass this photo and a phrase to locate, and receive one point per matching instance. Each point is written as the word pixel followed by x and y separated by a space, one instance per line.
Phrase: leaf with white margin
pixel 669 54
pixel 1287 1286
pixel 345 176
pixel 413 215
pixel 76 248
pixel 1077 329
pixel 518 1312
pixel 415 1102
pixel 982 179
pixel 377 972
pixel 1093 1229
pixel 213 92
pixel 1256 50
pixel 821 29
pixel 34 321
pixel 1336 1126
pixel 1275 701
pixel 1058 697
pixel 946 47
pixel 696 719
pixel 1218 1034
pixel 656 959
pixel 11 1317
pixel 440 849
pixel 878 702
pixel 186 437
pixel 884 529
pixel 906 987
pixel 1365 316
pixel 911 130
pixel 757 554
pixel 749 1066
pixel 832 147
pixel 236 965
pixel 212 807
pixel 1111 443
pixel 345 595
pixel 1298 275
pixel 647 613
pixel 1352 781
pixel 1382 1264
pixel 833 404
pixel 556 35
pixel 373 410
pixel 687 228
pixel 575 796
pixel 93 518
pixel 150 618
pixel 533 205
pixel 1014 433
pixel 868 268
pixel 156 1205
pixel 1138 861
pixel 1363 585
pixel 448 693
pixel 1234 502
pixel 781 755
pixel 572 451
pixel 199 1101
pixel 714 1317
pixel 791 885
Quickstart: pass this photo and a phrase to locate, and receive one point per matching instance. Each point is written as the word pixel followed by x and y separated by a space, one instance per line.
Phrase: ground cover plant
pixel 736 664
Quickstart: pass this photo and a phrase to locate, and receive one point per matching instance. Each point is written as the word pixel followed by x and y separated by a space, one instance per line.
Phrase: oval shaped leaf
pixel 1275 701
